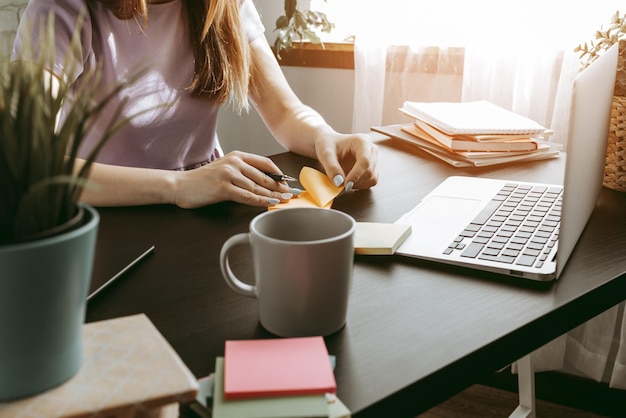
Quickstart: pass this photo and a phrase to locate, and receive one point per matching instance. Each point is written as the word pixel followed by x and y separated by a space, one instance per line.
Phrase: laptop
pixel 521 229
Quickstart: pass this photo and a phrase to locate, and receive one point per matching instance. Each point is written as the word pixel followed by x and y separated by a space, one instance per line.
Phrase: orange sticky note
pixel 319 191
pixel 304 200
pixel 319 186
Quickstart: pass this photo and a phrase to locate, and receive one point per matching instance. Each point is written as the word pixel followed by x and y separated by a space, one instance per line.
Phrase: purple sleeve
pixel 66 13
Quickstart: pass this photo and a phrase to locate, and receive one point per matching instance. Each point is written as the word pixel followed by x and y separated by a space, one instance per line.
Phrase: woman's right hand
pixel 238 176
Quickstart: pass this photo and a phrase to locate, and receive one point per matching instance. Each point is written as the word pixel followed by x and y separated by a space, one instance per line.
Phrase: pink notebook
pixel 277 367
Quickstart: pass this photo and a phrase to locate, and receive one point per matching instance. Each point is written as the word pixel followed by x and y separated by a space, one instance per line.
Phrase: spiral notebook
pixel 448 223
pixel 471 118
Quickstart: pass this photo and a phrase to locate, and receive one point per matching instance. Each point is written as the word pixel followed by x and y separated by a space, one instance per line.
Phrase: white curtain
pixel 516 53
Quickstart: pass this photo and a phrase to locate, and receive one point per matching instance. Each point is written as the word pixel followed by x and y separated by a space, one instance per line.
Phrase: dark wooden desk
pixel 417 332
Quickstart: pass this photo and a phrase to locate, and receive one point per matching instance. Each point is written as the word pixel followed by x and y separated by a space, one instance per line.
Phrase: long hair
pixel 222 63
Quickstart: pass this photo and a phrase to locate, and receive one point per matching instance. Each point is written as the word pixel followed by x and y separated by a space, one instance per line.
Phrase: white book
pixel 471 118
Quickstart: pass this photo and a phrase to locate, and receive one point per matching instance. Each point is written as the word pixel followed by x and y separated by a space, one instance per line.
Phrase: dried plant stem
pixel 605 38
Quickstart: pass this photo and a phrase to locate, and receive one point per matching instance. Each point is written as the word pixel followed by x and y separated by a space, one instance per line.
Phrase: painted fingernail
pixel 349 186
pixel 286 196
pixel 295 191
pixel 338 180
pixel 273 201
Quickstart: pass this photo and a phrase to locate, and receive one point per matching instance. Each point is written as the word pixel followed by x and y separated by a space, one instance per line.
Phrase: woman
pixel 194 56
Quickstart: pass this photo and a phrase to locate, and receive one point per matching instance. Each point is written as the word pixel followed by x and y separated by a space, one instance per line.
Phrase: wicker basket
pixel 615 168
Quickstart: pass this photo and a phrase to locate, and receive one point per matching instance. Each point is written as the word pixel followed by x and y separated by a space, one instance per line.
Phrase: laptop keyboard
pixel 520 226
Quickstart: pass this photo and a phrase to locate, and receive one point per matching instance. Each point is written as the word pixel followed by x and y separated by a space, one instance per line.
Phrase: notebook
pixel 471 118
pixel 446 222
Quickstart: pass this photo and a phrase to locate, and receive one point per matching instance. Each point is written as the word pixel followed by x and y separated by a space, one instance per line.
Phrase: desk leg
pixel 526 383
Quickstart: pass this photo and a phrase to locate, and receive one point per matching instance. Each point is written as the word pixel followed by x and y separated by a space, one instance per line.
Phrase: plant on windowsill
pixel 606 37
pixel 298 25
pixel 47 237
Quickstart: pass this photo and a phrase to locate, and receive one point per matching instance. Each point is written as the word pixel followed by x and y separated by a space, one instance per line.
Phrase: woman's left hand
pixel 348 159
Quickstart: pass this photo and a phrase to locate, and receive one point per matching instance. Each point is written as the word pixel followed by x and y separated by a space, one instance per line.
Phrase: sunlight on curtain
pixel 516 53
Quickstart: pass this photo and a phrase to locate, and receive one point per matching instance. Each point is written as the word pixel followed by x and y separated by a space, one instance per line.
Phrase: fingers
pixel 349 161
pixel 248 182
pixel 363 173
pixel 237 177
pixel 256 189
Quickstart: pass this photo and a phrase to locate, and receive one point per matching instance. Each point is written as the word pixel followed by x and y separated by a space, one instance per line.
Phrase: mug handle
pixel 230 278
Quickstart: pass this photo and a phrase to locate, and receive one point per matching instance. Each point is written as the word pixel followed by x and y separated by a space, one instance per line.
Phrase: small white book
pixel 471 118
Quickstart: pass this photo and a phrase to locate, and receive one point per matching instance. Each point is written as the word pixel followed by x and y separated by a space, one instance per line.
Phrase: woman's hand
pixel 238 176
pixel 348 159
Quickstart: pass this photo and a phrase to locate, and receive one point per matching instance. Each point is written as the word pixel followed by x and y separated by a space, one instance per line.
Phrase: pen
pixel 279 177
pixel 121 272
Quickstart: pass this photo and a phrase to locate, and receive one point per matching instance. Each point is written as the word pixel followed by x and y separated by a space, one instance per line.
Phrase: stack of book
pixel 273 378
pixel 476 133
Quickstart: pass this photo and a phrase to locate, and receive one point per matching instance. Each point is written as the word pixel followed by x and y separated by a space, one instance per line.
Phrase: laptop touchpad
pixel 439 219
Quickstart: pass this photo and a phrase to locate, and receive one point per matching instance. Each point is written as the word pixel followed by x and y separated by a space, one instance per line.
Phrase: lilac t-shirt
pixel 179 130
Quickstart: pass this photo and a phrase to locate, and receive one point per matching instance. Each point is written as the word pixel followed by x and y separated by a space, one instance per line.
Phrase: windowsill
pixel 328 55
pixel 341 56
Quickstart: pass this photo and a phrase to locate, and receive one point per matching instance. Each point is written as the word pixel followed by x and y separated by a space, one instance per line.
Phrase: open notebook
pixel 449 223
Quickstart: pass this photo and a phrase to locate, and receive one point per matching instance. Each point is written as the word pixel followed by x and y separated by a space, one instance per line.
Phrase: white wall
pixel 328 91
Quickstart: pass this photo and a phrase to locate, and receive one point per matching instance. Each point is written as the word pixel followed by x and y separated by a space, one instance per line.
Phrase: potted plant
pixel 47 236
pixel 605 37
pixel 298 24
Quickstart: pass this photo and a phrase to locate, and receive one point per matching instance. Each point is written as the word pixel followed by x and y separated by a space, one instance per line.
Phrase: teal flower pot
pixel 43 295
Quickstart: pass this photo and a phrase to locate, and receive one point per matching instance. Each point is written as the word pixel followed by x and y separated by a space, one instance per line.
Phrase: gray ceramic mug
pixel 302 260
